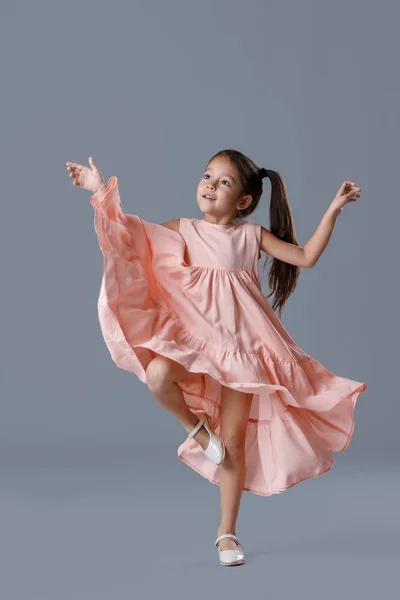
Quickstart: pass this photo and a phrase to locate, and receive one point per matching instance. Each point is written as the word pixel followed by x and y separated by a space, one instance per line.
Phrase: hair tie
pixel 263 172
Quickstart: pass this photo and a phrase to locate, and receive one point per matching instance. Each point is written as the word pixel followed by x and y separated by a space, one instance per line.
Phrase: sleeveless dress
pixel 194 296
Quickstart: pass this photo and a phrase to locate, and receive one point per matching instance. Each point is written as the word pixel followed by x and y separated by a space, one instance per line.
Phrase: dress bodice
pixel 228 247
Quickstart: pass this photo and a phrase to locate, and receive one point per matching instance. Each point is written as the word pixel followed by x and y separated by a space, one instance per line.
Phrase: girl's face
pixel 221 181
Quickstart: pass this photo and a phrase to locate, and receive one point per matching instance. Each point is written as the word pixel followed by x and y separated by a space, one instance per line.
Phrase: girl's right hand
pixel 88 178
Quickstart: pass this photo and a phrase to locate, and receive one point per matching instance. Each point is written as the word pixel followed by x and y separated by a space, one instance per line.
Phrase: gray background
pixel 93 498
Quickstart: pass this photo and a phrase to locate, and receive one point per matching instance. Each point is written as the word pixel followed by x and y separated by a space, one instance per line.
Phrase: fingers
pixel 348 192
pixel 75 171
pixel 350 185
pixel 74 176
pixel 354 192
pixel 349 189
pixel 72 165
pixel 345 187
pixel 83 176
pixel 93 164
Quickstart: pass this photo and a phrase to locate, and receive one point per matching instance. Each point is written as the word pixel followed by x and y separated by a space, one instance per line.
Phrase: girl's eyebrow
pixel 226 174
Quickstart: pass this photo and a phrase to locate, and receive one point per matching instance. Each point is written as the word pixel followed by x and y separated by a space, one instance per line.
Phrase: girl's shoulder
pixel 253 228
pixel 253 224
pixel 178 224
pixel 173 224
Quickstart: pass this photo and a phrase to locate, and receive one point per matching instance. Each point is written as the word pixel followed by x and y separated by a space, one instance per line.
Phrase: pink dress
pixel 195 297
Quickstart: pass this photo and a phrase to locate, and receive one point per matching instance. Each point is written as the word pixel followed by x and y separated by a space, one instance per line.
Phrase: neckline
pixel 219 225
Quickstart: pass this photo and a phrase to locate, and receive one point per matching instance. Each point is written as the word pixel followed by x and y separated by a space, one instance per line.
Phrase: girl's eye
pixel 207 175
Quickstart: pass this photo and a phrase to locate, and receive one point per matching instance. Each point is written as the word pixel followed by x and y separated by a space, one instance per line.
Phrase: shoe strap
pixel 196 428
pixel 227 535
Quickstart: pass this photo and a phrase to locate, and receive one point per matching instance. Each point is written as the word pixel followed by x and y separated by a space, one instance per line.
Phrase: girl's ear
pixel 245 202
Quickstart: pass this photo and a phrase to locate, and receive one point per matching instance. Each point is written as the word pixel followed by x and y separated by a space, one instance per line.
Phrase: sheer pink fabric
pixel 195 297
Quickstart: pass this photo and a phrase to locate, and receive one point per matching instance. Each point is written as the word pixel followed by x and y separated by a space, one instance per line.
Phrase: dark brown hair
pixel 282 276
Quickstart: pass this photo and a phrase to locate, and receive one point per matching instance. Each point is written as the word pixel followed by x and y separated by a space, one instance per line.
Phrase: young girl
pixel 181 306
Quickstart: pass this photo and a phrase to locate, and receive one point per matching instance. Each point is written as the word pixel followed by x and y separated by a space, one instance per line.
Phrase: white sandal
pixel 215 450
pixel 230 557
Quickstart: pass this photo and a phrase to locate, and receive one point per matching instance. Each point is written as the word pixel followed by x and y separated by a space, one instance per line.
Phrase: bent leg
pixel 163 375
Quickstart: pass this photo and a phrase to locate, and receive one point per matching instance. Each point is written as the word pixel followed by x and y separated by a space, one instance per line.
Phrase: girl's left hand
pixel 348 192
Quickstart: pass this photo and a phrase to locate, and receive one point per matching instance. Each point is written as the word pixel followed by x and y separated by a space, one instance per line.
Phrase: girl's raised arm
pixel 309 255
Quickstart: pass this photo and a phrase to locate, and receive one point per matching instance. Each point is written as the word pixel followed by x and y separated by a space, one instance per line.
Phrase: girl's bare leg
pixel 235 409
pixel 162 375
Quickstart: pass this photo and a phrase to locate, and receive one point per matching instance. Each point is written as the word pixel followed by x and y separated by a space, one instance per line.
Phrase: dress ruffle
pixel 300 412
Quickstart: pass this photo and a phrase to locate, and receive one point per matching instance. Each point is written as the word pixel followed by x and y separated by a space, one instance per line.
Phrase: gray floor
pixel 104 522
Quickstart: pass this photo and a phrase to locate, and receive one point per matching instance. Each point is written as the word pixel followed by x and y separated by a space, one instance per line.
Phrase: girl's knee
pixel 158 373
pixel 235 444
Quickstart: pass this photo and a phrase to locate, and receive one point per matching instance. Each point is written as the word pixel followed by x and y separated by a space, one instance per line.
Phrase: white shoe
pixel 215 450
pixel 230 557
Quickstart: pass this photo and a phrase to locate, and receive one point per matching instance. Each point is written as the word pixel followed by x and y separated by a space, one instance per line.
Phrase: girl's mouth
pixel 209 198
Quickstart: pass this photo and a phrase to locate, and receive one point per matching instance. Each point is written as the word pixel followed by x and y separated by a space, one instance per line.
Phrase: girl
pixel 181 306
